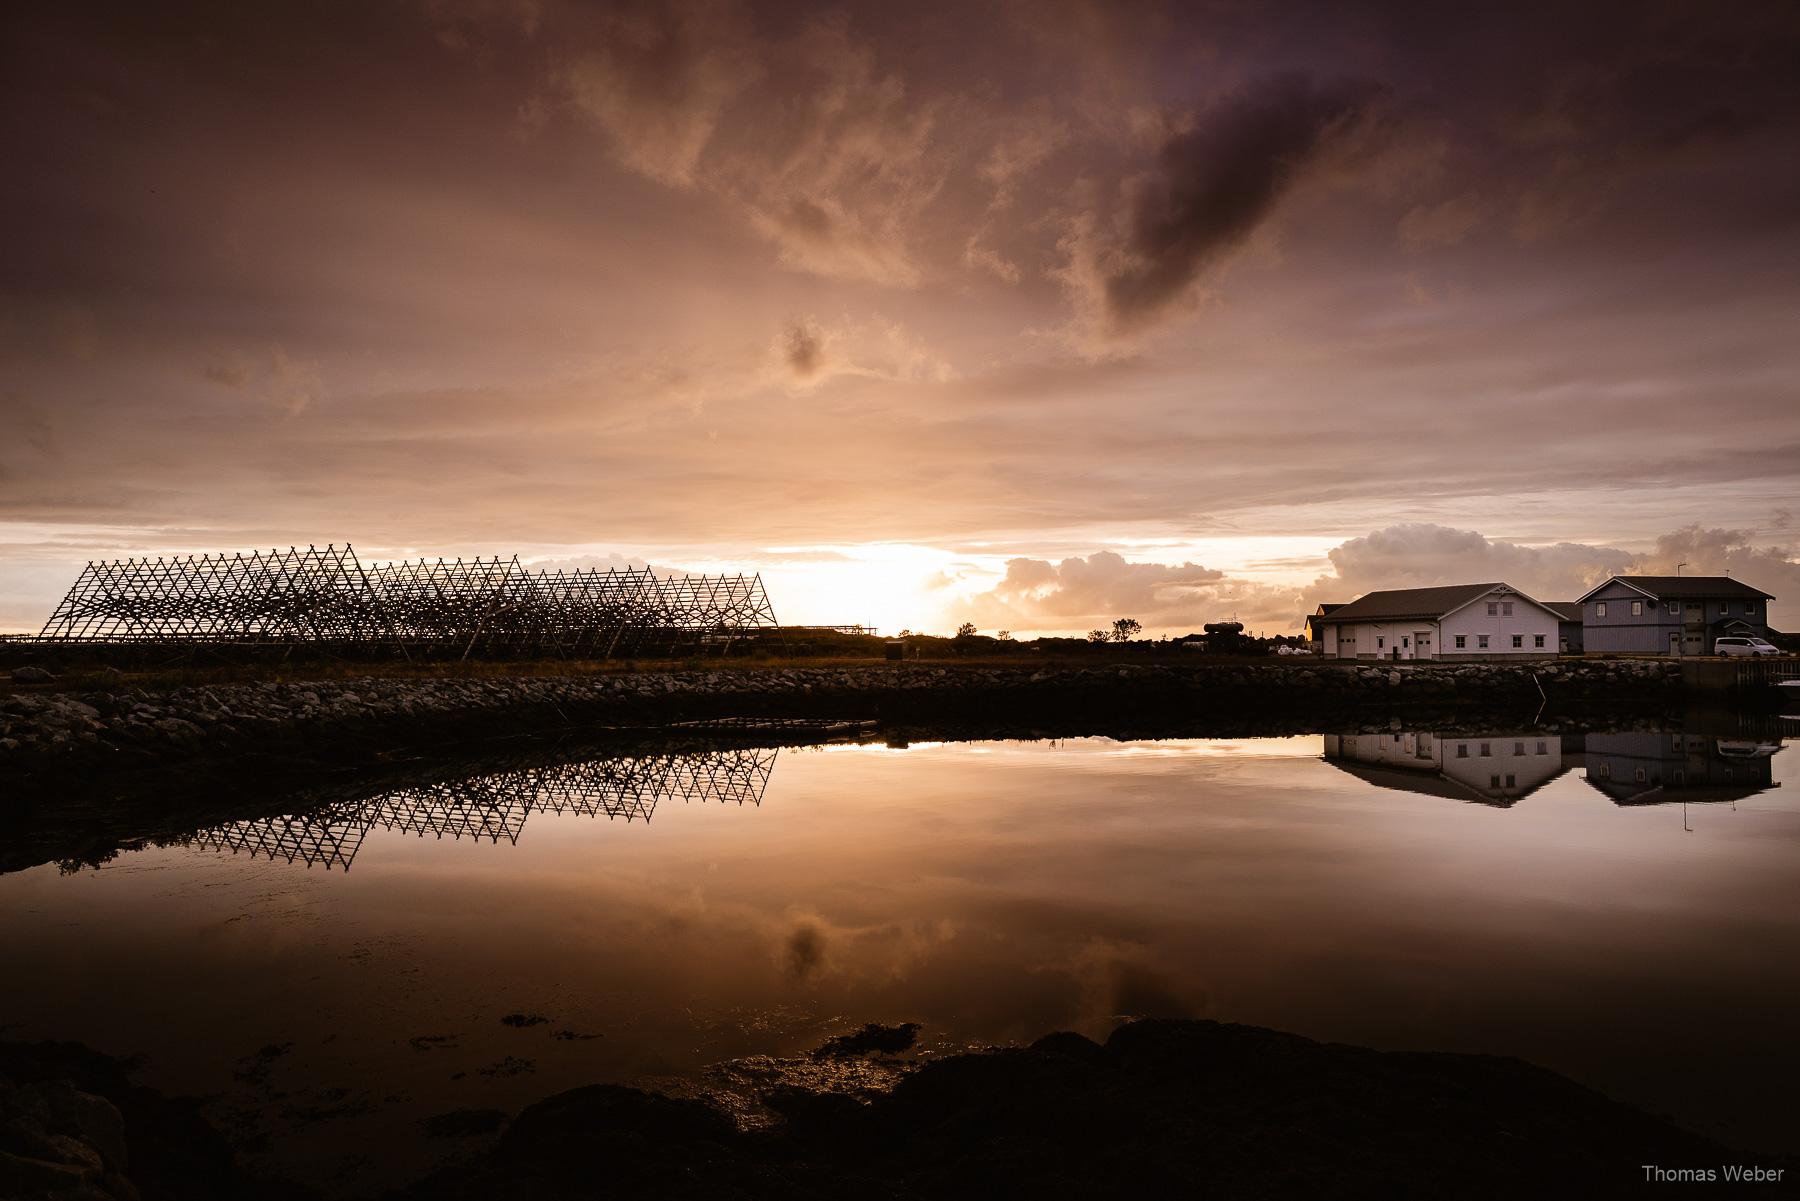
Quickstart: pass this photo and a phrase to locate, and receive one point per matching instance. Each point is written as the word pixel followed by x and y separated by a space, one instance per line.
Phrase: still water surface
pixel 1624 908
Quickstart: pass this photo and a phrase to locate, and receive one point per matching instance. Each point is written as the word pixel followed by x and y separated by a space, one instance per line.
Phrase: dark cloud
pixel 803 351
pixel 1213 184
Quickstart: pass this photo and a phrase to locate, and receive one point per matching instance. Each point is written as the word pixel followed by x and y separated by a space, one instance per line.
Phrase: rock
pixel 22 1176
pixel 31 675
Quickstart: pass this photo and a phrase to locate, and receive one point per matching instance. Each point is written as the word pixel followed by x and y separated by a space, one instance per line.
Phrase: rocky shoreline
pixel 1160 1108
pixel 45 730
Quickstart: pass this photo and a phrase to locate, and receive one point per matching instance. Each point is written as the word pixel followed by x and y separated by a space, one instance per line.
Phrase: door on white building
pixel 1406 646
pixel 1675 644
pixel 1423 648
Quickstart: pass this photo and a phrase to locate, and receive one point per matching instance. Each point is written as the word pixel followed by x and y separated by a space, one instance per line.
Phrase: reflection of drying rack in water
pixel 493 807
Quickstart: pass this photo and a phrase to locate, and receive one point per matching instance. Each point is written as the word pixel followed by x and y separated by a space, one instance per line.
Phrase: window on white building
pixel 1462 640
pixel 1543 748
pixel 1518 748
pixel 1512 781
pixel 1537 640
pixel 1518 641
pixel 1493 608
pixel 1481 641
pixel 1493 781
pixel 1487 750
pixel 1462 750
pixel 1506 608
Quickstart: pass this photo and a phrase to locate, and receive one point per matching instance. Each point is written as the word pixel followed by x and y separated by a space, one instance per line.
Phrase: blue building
pixel 1670 615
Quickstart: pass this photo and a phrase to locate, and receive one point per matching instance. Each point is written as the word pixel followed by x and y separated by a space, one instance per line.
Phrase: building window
pixel 1462 640
pixel 1493 781
pixel 1518 748
pixel 1637 608
pixel 1599 608
pixel 1487 750
pixel 1675 607
pixel 1725 608
pixel 1518 641
pixel 1638 775
pixel 1512 781
pixel 1462 750
pixel 1380 642
pixel 1749 607
pixel 1537 640
pixel 1493 608
pixel 1481 641
pixel 1506 608
pixel 1604 770
pixel 1543 748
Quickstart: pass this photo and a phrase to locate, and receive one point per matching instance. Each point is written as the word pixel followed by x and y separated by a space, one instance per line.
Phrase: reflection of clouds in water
pixel 1126 980
pixel 811 946
pixel 805 951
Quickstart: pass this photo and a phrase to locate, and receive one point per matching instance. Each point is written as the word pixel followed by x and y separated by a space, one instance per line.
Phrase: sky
pixel 1028 313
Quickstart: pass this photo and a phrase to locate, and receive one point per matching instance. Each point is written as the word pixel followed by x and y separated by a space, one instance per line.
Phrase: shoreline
pixel 51 734
pixel 1161 1105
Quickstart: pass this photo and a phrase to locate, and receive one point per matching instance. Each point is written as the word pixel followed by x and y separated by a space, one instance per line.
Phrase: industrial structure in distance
pixel 438 608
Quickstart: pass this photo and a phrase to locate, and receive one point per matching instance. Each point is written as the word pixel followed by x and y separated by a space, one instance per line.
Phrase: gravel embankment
pixel 90 730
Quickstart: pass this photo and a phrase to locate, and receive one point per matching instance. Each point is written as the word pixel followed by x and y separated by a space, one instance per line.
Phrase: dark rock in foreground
pixel 1163 1109
pixel 73 1127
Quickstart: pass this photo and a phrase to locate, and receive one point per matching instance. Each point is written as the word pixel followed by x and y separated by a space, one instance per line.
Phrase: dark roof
pixel 1567 610
pixel 1699 586
pixel 1398 603
pixel 1329 607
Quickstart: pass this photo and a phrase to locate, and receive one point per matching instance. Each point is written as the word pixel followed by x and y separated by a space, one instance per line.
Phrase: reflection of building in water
pixel 1647 768
pixel 1495 769
pixel 493 807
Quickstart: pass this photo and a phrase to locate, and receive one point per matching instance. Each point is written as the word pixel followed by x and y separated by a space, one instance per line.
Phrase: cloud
pixel 1422 555
pixel 802 351
pixel 269 375
pixel 1446 223
pixel 658 77
pixel 1083 593
pixel 1212 185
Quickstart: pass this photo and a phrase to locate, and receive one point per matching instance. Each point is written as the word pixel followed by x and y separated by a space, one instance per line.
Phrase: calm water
pixel 1624 908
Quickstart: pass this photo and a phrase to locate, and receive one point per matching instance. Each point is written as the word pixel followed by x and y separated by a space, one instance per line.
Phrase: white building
pixel 1458 621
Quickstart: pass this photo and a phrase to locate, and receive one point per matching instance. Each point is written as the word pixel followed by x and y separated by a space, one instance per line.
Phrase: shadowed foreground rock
pixel 73 1127
pixel 1163 1109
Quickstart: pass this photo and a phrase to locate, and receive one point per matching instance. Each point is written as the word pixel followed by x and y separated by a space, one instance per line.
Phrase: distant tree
pixel 1125 629
pixel 906 633
pixel 1099 636
pixel 1004 635
pixel 966 630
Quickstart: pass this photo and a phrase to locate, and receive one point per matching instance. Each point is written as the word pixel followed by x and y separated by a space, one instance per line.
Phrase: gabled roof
pixel 1682 586
pixel 1567 610
pixel 1423 604
pixel 1329 607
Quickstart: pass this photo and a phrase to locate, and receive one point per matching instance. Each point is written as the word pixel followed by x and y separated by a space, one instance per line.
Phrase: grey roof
pixel 1400 603
pixel 1567 610
pixel 1699 586
pixel 1329 607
